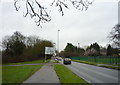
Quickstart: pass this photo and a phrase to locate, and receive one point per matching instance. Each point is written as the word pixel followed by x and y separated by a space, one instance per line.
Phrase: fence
pixel 100 59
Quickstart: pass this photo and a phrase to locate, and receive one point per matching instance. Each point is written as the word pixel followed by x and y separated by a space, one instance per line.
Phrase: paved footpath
pixel 46 74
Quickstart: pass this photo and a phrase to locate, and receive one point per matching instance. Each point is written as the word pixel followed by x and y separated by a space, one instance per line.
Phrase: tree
pixel 31 41
pixel 96 47
pixel 38 50
pixel 103 50
pixel 80 50
pixel 93 50
pixel 71 50
pixel 6 43
pixel 115 52
pixel 109 50
pixel 14 45
pixel 115 35
pixel 19 48
pixel 18 45
pixel 37 11
pixel 17 36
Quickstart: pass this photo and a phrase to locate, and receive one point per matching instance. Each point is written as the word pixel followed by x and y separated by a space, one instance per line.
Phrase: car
pixel 67 61
pixel 58 59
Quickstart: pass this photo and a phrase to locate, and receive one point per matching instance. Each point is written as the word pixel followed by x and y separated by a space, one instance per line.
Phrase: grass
pixel 67 76
pixel 17 74
pixel 0 74
pixel 117 68
pixel 86 62
pixel 92 63
pixel 29 62
pixel 56 61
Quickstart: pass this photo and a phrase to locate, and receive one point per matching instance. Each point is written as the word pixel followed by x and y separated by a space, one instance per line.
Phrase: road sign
pixel 49 50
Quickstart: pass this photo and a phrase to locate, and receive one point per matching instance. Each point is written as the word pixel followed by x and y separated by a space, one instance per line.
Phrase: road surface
pixel 94 74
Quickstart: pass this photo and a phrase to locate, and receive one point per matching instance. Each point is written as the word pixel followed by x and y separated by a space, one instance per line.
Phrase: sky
pixel 83 27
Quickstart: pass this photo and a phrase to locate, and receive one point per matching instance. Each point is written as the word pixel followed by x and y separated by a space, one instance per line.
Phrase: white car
pixel 58 58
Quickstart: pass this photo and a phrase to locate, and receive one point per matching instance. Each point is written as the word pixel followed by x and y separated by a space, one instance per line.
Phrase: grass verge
pixel 56 61
pixel 0 74
pixel 66 76
pixel 17 74
pixel 96 64
pixel 117 68
pixel 29 62
pixel 86 62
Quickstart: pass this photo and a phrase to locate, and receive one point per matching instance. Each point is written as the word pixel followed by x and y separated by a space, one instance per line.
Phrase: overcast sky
pixel 84 27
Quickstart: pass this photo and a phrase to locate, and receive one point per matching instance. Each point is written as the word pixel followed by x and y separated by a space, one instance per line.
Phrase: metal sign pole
pixel 45 57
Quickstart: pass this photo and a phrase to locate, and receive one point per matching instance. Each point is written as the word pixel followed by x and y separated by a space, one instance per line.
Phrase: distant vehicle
pixel 58 58
pixel 67 61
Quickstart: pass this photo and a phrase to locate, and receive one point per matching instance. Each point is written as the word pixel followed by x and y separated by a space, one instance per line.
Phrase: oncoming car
pixel 67 61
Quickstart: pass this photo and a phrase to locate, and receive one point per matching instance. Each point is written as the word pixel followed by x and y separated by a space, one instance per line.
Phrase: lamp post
pixel 54 49
pixel 78 45
pixel 58 41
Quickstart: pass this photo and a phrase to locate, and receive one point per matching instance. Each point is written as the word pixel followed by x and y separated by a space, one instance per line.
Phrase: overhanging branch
pixel 41 15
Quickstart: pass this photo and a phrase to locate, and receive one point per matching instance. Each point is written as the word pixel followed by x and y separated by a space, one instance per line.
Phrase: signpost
pixel 49 51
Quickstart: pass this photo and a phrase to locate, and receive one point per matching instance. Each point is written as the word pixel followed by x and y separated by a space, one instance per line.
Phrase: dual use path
pixel 46 74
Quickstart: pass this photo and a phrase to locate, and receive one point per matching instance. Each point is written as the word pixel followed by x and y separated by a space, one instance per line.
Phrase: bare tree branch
pixel 78 4
pixel 15 5
pixel 41 15
pixel 60 4
pixel 81 4
pixel 115 35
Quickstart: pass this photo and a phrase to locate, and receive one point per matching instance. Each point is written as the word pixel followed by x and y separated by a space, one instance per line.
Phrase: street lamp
pixel 54 48
pixel 58 41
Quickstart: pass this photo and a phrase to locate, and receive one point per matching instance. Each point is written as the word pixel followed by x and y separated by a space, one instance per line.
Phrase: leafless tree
pixel 32 40
pixel 115 35
pixel 40 13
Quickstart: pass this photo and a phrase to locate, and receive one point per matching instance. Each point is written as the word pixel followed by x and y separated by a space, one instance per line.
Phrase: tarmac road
pixel 95 74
